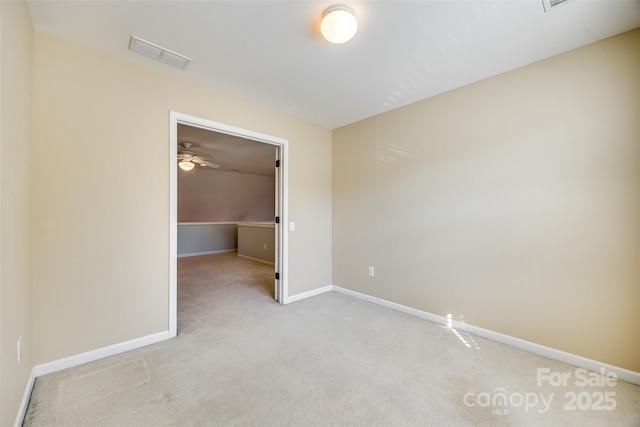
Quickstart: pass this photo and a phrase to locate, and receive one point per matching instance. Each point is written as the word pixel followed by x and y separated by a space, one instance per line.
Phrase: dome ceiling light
pixel 339 24
pixel 186 165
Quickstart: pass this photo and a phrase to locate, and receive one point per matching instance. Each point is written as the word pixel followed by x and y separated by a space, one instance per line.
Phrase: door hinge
pixel 277 276
pixel 277 220
pixel 277 163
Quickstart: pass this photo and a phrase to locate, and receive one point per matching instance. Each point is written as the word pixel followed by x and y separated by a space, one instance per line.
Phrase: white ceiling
pixel 271 52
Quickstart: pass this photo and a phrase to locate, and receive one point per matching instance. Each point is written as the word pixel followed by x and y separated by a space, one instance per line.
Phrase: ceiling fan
pixel 187 159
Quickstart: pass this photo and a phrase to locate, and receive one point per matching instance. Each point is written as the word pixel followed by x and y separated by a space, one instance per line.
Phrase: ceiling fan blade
pixel 202 158
pixel 205 163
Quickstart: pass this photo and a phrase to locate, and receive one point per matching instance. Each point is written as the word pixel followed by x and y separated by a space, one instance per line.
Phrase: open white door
pixel 278 229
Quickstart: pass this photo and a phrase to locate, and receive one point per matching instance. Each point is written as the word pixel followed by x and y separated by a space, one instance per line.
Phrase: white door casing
pixel 281 204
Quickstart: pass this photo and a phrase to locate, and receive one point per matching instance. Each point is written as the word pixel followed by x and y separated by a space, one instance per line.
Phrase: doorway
pixel 280 214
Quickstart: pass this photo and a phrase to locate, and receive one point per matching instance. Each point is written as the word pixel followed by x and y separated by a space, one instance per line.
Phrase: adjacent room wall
pixel 257 241
pixel 101 226
pixel 213 196
pixel 16 58
pixel 201 238
pixel 217 198
pixel 514 202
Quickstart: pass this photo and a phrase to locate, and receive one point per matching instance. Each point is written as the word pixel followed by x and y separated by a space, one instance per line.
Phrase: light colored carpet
pixel 242 359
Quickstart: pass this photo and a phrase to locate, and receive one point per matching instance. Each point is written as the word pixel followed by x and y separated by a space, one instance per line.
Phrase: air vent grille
pixel 158 53
pixel 552 4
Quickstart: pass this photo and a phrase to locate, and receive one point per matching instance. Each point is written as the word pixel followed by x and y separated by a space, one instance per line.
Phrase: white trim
pixel 284 219
pixel 392 305
pixel 221 251
pixel 308 294
pixel 283 146
pixel 22 411
pixel 81 359
pixel 173 224
pixel 541 350
pixel 256 259
pixel 228 129
pixel 209 223
pixel 551 353
pixel 257 224
pixel 100 353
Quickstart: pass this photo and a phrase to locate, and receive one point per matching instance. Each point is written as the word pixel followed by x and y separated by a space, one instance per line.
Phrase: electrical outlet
pixel 292 226
pixel 19 349
pixel 371 271
pixel 265 246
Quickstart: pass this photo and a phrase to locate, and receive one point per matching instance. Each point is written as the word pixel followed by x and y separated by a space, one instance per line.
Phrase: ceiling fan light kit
pixel 186 165
pixel 187 159
pixel 339 24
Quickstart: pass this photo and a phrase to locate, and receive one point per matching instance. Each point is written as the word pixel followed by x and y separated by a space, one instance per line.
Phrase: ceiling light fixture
pixel 339 24
pixel 186 165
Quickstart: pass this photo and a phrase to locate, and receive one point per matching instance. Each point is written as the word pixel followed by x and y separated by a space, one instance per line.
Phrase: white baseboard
pixel 22 411
pixel 541 350
pixel 90 356
pixel 80 359
pixel 308 294
pixel 256 259
pixel 222 251
pixel 551 353
pixel 392 305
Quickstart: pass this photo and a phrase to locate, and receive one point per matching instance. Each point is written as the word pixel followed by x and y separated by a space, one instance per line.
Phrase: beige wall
pixel 210 195
pixel 16 46
pixel 514 202
pixel 101 227
pixel 257 241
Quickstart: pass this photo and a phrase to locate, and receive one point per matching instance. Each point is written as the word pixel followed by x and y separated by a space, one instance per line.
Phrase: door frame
pixel 282 255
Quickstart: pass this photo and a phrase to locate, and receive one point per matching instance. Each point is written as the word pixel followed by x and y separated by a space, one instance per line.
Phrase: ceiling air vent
pixel 158 53
pixel 552 4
